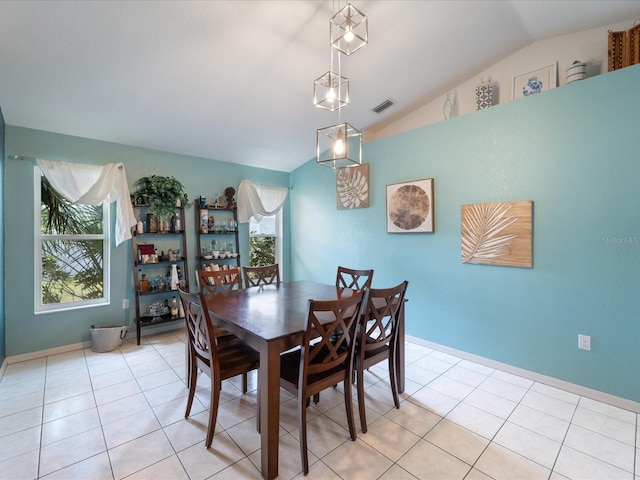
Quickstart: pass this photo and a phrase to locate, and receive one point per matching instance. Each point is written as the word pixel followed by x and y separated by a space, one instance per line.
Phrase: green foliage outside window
pixel 72 266
pixel 262 251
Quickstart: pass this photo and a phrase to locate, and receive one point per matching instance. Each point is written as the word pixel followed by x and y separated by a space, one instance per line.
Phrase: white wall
pixel 588 46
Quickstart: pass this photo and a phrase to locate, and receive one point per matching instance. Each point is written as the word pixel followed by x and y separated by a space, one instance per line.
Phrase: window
pixel 265 242
pixel 71 251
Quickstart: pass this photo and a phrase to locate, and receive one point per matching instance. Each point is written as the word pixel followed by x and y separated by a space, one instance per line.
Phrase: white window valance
pixel 259 201
pixel 93 185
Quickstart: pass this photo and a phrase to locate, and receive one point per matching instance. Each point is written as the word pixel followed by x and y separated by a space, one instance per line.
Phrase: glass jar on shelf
pixel 154 284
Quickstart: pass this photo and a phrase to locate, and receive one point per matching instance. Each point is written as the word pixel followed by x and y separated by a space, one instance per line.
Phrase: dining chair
pixel 263 275
pixel 321 361
pixel 378 339
pixel 352 278
pixel 212 281
pixel 219 358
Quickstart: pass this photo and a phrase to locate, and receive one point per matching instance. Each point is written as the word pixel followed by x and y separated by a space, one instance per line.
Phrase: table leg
pixel 269 409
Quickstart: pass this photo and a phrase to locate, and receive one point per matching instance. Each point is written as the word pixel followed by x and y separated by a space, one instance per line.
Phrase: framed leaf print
pixel 498 233
pixel 410 206
pixel 352 187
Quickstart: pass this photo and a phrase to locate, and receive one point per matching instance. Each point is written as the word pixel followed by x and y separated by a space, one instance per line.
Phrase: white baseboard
pixel 537 377
pixel 131 335
pixel 45 353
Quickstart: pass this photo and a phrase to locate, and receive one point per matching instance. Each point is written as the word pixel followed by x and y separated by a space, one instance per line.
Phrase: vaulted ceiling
pixel 232 80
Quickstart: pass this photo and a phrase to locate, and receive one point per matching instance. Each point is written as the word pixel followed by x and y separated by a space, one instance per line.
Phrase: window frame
pixel 39 238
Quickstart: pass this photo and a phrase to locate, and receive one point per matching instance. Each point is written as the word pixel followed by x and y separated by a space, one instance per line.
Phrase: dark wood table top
pixel 271 312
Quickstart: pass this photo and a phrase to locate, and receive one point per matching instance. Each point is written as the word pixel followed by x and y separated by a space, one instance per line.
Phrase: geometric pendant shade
pixel 349 30
pixel 331 91
pixel 338 146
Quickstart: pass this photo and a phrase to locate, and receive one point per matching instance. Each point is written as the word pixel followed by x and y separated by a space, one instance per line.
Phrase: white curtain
pixel 259 201
pixel 93 185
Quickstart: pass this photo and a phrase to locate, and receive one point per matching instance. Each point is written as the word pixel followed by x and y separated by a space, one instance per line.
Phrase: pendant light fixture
pixel 341 144
pixel 331 90
pixel 338 146
pixel 349 30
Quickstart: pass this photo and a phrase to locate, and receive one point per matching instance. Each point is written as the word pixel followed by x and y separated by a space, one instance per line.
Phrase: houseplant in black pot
pixel 162 195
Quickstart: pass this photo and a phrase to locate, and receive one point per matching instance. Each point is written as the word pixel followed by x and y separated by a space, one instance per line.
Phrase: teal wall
pixel 574 151
pixel 3 350
pixel 26 332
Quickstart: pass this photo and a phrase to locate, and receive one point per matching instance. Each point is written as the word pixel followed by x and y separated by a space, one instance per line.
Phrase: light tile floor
pixel 86 415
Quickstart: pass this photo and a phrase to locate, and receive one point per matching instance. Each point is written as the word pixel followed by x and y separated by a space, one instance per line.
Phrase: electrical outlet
pixel 125 303
pixel 584 342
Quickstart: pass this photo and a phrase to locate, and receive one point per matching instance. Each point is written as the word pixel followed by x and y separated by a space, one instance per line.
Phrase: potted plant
pixel 161 194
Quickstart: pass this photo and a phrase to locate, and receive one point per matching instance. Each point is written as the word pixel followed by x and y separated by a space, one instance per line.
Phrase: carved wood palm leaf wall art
pixel 352 187
pixel 498 233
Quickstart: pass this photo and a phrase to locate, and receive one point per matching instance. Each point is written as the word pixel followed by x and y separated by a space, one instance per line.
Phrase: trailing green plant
pixel 160 194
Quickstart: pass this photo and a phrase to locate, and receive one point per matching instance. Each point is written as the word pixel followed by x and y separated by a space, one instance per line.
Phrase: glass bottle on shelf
pixel 144 284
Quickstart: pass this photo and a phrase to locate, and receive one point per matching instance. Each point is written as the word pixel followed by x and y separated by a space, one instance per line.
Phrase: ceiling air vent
pixel 383 106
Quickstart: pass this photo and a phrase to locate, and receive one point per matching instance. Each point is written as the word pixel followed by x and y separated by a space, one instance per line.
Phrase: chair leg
pixel 392 378
pixel 302 427
pixel 193 378
pixel 361 408
pixel 348 403
pixel 244 383
pixel 213 411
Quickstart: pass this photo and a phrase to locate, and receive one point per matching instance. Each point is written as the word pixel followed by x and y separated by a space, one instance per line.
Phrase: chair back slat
pixel 200 332
pixel 381 321
pixel 329 338
pixel 212 281
pixel 353 278
pixel 263 275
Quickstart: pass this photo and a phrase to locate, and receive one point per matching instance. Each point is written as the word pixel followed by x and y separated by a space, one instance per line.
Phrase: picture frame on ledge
pixel 535 81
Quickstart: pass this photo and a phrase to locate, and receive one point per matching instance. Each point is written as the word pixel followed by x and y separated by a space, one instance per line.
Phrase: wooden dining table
pixel 272 318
